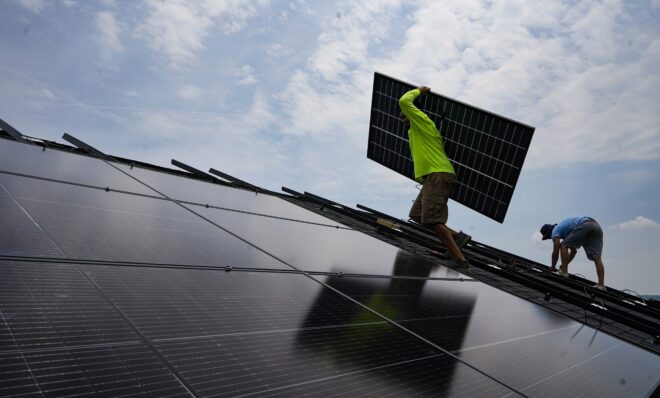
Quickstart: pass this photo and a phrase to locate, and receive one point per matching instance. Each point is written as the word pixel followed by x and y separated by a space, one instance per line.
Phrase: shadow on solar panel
pixel 486 150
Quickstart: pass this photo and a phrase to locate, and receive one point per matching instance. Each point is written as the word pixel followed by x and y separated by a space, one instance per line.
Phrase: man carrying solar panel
pixel 436 174
pixel 568 236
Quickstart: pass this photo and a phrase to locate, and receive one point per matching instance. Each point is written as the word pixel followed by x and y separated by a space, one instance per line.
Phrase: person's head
pixel 546 231
pixel 404 119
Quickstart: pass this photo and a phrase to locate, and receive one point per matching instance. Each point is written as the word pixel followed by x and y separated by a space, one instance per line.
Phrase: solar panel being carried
pixel 487 150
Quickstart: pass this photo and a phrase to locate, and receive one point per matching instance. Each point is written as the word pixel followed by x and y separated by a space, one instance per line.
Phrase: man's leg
pixel 577 238
pixel 415 213
pixel 437 189
pixel 446 237
pixel 600 269
pixel 594 250
pixel 565 257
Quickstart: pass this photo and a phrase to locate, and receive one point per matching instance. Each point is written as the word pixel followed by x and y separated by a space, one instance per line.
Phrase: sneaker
pixel 560 273
pixel 463 267
pixel 462 239
pixel 599 287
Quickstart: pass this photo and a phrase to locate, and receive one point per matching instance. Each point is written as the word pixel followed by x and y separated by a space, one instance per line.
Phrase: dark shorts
pixel 430 207
pixel 588 234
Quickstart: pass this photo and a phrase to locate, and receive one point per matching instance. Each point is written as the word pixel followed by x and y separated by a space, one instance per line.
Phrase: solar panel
pixel 94 322
pixel 487 150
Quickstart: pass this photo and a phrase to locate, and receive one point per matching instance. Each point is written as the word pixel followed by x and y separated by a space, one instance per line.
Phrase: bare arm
pixel 556 243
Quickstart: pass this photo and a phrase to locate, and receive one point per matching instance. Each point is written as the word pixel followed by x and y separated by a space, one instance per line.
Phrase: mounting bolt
pixel 227 268
pixel 547 296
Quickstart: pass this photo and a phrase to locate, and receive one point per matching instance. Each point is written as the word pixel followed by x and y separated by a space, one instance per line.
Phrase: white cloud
pixel 108 32
pixel 177 28
pixel 131 93
pixel 36 6
pixel 344 41
pixel 45 93
pixel 233 142
pixel 278 50
pixel 316 110
pixel 247 76
pixel 334 107
pixel 568 70
pixel 189 92
pixel 639 223
pixel 257 118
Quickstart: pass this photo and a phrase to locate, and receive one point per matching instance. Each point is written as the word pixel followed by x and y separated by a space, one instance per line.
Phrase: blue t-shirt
pixel 565 227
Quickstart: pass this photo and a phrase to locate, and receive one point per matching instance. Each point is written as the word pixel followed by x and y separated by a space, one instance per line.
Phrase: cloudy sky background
pixel 278 93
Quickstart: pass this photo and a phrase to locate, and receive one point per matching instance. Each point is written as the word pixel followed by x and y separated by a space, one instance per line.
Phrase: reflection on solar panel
pixel 487 150
pixel 206 289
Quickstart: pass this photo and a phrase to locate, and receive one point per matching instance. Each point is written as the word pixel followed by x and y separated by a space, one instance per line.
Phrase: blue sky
pixel 278 94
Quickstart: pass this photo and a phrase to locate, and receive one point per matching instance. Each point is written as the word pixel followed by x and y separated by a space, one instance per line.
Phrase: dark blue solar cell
pixel 92 224
pixel 61 165
pixel 524 345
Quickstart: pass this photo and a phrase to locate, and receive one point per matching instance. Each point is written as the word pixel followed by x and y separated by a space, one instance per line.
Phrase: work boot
pixel 461 239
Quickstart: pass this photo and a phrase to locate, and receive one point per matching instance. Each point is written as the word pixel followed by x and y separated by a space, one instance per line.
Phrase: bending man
pixel 568 236
pixel 434 171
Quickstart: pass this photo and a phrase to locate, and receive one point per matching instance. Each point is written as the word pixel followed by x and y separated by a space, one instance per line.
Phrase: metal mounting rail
pixel 85 147
pixel 419 231
pixel 366 218
pixel 235 181
pixel 620 298
pixel 15 134
pixel 586 302
pixel 196 172
pixel 579 283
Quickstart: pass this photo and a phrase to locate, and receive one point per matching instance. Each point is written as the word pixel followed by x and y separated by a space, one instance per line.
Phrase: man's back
pixel 565 227
pixel 426 147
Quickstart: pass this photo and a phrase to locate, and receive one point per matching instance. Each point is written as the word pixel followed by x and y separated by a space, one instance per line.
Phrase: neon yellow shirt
pixel 426 146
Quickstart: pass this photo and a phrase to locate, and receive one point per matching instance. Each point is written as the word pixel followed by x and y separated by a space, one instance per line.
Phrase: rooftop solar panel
pixel 37 161
pixel 487 150
pixel 77 222
pixel 95 323
pixel 489 327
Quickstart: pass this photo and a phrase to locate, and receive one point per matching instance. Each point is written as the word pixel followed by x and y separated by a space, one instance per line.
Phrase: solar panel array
pixel 487 150
pixel 108 288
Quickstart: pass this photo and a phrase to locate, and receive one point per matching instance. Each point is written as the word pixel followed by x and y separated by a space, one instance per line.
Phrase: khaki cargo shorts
pixel 430 207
